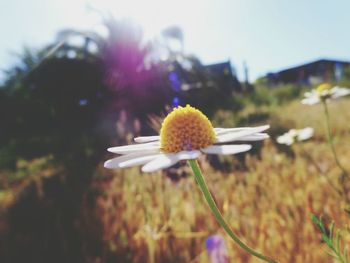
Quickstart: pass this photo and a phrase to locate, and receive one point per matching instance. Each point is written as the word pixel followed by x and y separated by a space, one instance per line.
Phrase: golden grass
pixel 269 206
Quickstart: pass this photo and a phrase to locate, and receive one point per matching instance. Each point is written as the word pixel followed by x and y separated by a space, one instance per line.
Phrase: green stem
pixel 330 140
pixel 208 197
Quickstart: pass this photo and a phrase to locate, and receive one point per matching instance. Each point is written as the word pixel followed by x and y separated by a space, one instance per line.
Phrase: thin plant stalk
pixel 330 141
pixel 318 168
pixel 210 200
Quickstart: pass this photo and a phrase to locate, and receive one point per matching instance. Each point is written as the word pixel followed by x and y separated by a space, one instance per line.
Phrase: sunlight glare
pixel 152 15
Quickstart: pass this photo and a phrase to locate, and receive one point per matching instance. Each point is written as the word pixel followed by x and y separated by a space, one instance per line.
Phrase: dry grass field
pixel 269 204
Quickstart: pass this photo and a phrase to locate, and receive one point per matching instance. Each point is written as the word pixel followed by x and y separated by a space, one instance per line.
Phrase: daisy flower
pixel 186 134
pixel 324 92
pixel 295 135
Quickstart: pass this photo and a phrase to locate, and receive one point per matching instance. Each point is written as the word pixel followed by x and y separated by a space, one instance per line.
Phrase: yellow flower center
pixel 323 87
pixel 186 128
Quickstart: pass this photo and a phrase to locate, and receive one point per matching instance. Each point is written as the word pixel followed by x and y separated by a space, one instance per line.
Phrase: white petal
pixel 339 92
pixel 188 155
pixel 219 131
pixel 235 135
pixel 115 162
pixel 161 162
pixel 227 149
pixel 169 159
pixel 305 133
pixel 135 148
pixel 254 137
pixel 285 139
pixel 139 160
pixel 312 99
pixel 146 139
pixel 310 94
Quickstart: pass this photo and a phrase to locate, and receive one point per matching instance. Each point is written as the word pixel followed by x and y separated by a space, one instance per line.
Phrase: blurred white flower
pixel 294 135
pixel 186 134
pixel 324 92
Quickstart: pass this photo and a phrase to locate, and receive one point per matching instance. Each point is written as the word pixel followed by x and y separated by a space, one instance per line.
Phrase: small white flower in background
pixel 186 134
pixel 324 92
pixel 294 135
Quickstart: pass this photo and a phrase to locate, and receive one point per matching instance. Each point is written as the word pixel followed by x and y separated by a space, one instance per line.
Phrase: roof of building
pixel 223 67
pixel 319 61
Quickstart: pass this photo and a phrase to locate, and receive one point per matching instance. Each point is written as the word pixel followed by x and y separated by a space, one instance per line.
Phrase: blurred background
pixel 80 76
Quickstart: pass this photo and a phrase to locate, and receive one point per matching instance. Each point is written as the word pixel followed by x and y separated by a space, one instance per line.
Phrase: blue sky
pixel 268 34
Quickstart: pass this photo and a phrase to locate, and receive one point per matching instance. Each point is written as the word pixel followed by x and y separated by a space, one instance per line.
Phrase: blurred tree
pixel 174 33
pixel 51 105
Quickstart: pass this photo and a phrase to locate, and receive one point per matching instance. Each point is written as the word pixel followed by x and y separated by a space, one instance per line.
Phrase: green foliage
pixel 347 73
pixel 237 103
pixel 287 93
pixel 333 241
pixel 264 95
pixel 262 81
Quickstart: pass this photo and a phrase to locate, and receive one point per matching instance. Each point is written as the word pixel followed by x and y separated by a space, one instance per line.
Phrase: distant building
pixel 323 70
pixel 201 85
pixel 206 87
pixel 220 75
pixel 225 75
